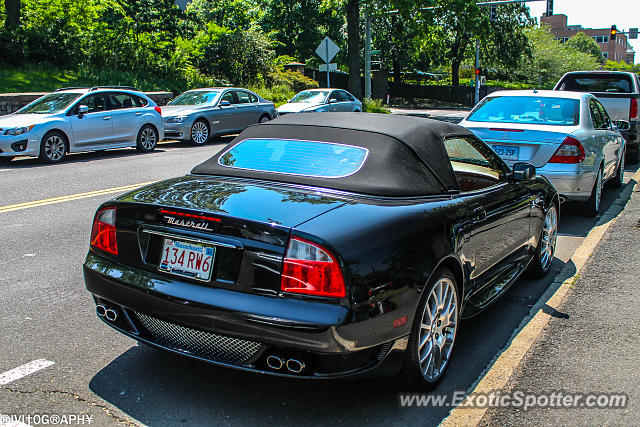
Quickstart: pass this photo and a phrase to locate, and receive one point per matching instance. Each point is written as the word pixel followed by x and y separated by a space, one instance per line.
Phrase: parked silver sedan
pixel 567 136
pixel 197 115
pixel 321 100
pixel 81 119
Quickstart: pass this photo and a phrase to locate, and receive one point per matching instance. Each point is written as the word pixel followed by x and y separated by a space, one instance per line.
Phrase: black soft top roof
pixel 406 154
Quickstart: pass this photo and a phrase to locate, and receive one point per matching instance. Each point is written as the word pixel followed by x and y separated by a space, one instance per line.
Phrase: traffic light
pixel 493 13
pixel 478 71
pixel 614 31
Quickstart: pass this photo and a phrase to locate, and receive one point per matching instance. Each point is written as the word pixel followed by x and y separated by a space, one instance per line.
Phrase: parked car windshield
pixel 50 104
pixel 295 157
pixel 528 109
pixel 597 83
pixel 195 97
pixel 310 97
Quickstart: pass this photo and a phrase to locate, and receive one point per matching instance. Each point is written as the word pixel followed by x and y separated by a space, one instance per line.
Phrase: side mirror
pixel 224 103
pixel 332 100
pixel 623 125
pixel 82 110
pixel 523 171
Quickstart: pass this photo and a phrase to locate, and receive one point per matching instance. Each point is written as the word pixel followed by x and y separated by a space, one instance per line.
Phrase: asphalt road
pixel 45 313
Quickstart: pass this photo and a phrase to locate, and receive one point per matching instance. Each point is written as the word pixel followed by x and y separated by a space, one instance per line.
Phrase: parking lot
pixel 46 213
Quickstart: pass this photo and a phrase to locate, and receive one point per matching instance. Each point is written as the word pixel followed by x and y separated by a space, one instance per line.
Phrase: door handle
pixel 106 118
pixel 139 113
pixel 479 214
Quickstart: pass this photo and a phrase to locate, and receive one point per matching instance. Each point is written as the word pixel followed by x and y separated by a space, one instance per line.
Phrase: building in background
pixel 615 50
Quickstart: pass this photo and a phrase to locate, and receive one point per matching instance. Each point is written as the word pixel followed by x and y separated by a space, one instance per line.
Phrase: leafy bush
pixel 374 106
pixel 293 79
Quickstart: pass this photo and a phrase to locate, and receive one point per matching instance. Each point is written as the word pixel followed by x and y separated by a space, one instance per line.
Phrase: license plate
pixel 187 259
pixel 507 152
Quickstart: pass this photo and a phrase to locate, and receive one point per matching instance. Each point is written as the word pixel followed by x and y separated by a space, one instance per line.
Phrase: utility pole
pixel 367 57
pixel 477 91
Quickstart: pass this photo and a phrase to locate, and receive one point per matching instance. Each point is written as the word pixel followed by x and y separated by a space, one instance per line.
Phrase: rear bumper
pixel 250 328
pixel 574 185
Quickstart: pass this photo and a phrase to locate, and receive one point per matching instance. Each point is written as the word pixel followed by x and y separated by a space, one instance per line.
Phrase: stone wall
pixel 10 102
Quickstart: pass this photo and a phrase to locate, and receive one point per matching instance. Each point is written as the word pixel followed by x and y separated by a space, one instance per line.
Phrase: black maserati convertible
pixel 323 245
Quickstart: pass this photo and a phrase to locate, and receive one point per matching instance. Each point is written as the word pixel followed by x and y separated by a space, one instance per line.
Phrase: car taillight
pixel 570 151
pixel 103 233
pixel 633 109
pixel 310 269
pixel 158 109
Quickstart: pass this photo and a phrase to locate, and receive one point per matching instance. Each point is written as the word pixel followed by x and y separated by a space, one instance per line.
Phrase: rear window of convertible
pixel 295 157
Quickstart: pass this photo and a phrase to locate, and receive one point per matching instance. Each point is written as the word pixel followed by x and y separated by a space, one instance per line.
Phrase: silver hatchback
pixel 197 115
pixel 567 136
pixel 81 119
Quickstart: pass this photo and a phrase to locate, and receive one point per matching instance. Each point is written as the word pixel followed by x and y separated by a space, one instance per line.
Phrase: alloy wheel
pixel 549 237
pixel 438 329
pixel 199 132
pixel 54 148
pixel 148 138
pixel 263 119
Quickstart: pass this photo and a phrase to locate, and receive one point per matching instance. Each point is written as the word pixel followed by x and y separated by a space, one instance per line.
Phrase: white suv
pixel 81 119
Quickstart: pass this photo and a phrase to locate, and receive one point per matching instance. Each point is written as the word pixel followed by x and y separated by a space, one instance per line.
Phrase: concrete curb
pixel 499 372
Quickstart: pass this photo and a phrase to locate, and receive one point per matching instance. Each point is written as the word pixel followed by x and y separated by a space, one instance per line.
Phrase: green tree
pixel 586 44
pixel 549 59
pixel 299 26
pixel 227 13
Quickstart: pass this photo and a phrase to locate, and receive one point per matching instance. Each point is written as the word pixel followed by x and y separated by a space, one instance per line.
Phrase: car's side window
pixel 253 97
pixel 341 96
pixel 333 95
pixel 228 96
pixel 603 114
pixel 474 164
pixel 348 96
pixel 243 97
pixel 596 116
pixel 140 102
pixel 95 102
pixel 121 100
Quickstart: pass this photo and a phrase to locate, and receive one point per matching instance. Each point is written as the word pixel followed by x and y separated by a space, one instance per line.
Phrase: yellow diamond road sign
pixel 327 49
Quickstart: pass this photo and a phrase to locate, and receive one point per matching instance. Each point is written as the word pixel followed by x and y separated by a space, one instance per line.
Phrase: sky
pixel 624 14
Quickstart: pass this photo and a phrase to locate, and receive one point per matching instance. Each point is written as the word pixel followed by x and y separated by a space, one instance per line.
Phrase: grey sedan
pixel 567 136
pixel 321 100
pixel 198 114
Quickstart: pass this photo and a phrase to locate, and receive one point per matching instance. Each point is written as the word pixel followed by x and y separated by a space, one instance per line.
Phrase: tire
pixel 592 206
pixel 200 132
pixel 618 180
pixel 53 147
pixel 543 258
pixel 147 139
pixel 264 118
pixel 436 336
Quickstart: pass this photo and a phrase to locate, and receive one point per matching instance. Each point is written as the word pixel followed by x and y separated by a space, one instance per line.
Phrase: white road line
pixel 24 370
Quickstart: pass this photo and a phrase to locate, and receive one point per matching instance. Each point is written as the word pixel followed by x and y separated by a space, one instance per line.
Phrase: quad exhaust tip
pixel 293 365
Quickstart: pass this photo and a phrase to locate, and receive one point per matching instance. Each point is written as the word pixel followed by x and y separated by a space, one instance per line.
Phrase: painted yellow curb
pixel 61 199
pixel 498 375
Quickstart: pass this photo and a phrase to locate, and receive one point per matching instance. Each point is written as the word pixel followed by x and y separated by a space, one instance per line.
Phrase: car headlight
pixel 18 131
pixel 179 119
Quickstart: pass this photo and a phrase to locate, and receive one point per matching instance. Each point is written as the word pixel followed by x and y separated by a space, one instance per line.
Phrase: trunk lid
pixel 247 223
pixel 515 143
